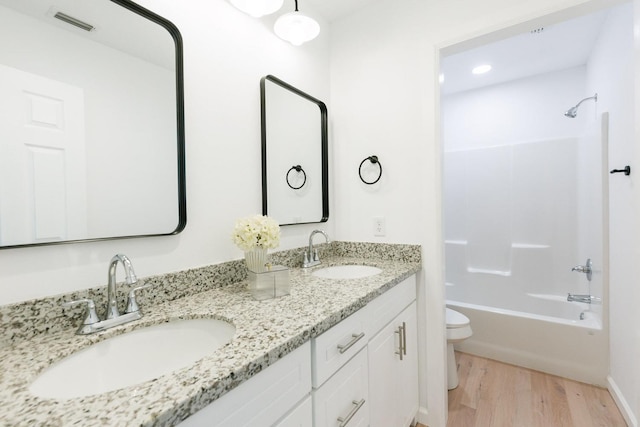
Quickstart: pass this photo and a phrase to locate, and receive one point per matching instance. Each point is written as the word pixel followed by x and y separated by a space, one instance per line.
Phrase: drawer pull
pixel 354 339
pixel 402 337
pixel 358 404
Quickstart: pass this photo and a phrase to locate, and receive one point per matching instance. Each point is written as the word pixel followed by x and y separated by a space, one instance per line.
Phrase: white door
pixel 42 159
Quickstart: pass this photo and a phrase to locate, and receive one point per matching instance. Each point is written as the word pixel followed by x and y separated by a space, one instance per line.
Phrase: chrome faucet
pixel 587 299
pixel 112 302
pixel 586 269
pixel 92 322
pixel 311 257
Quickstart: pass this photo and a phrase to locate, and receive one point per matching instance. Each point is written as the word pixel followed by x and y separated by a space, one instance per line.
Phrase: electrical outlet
pixel 379 227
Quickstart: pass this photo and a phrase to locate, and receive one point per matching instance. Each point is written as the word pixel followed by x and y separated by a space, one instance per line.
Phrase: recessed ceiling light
pixel 481 69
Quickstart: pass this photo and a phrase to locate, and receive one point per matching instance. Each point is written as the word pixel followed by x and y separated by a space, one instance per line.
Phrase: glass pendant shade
pixel 257 8
pixel 296 28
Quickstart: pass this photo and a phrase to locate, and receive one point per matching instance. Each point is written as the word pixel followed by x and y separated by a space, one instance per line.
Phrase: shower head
pixel 573 111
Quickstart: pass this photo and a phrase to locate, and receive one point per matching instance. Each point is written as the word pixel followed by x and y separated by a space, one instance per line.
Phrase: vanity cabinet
pixel 300 416
pixel 277 396
pixel 361 372
pixel 393 372
pixel 336 346
pixel 344 399
pixel 365 368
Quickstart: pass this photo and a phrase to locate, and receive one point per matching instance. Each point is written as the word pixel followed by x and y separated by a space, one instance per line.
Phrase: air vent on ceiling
pixel 73 21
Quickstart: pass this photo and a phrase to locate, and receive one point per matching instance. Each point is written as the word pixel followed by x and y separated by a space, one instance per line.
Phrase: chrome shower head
pixel 573 111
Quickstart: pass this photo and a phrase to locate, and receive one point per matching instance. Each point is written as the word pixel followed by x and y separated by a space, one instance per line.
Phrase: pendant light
pixel 296 28
pixel 257 8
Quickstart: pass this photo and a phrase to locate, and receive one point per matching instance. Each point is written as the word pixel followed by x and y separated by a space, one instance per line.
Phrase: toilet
pixel 458 329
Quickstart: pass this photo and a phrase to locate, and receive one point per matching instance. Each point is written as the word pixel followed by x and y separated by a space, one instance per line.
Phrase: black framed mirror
pixel 91 122
pixel 295 181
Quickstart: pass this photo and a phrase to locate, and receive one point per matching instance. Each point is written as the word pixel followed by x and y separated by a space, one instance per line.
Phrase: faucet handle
pixel 132 304
pixel 92 316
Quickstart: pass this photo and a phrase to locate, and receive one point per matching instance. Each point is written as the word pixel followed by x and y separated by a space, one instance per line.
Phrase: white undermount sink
pixel 132 358
pixel 346 272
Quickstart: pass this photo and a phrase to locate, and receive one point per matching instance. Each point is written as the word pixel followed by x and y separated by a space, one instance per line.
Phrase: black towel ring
pixel 374 160
pixel 298 169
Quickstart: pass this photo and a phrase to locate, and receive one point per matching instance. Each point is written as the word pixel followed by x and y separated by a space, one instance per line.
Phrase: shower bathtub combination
pixel 538 331
pixel 512 237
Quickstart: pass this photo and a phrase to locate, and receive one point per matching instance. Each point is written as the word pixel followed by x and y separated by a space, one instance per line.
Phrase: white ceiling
pixel 555 47
pixel 538 50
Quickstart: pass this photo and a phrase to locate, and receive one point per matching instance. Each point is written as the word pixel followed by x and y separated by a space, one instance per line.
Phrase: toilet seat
pixel 456 319
pixel 458 327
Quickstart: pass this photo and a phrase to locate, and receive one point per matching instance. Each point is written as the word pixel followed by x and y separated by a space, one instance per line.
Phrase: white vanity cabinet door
pixel 262 400
pixel 344 399
pixel 333 348
pixel 300 416
pixel 393 383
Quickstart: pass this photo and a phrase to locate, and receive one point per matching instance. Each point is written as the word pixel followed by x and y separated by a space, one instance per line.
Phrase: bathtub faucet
pixel 586 269
pixel 588 299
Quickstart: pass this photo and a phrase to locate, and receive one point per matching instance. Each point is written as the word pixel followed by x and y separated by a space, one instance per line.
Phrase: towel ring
pixel 298 169
pixel 374 160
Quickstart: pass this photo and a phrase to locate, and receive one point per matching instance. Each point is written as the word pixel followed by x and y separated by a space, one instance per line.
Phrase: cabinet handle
pixel 344 421
pixel 402 335
pixel 404 338
pixel 354 339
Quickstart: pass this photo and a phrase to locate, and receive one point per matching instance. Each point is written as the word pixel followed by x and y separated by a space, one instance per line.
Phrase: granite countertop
pixel 265 332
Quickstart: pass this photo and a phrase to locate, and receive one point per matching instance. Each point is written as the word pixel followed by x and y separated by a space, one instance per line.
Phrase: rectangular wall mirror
pixel 295 183
pixel 91 122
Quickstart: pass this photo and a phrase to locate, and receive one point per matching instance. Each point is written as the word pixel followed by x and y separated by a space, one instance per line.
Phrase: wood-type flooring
pixel 495 394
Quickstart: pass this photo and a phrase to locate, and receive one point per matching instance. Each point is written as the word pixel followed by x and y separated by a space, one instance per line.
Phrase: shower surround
pixel 514 229
pixel 522 207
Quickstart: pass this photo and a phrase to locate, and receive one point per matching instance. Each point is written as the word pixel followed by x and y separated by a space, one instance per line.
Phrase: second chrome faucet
pixel 311 256
pixel 92 322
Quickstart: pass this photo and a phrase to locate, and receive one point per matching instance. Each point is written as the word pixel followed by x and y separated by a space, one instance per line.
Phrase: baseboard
pixel 621 402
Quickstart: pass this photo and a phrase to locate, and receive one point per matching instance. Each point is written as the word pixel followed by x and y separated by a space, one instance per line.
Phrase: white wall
pixel 384 67
pixel 524 110
pixel 225 54
pixel 611 74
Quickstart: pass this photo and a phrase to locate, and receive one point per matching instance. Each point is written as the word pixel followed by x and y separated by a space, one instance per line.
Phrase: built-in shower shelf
pixel 455 242
pixel 528 246
pixel 487 271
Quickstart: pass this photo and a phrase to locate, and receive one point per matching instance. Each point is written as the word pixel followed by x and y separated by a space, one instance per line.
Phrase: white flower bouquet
pixel 256 232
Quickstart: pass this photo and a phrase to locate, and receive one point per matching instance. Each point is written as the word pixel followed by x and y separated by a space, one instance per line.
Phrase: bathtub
pixel 554 340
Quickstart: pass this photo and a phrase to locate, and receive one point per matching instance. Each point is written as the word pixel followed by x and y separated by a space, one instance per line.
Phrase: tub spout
pixel 588 299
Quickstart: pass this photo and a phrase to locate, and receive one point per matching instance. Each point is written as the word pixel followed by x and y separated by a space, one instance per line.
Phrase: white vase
pixel 256 259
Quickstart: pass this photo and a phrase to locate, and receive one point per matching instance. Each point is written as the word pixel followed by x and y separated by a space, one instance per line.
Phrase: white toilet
pixel 458 329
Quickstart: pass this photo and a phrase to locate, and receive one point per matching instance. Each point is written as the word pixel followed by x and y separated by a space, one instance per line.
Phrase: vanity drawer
pixel 344 399
pixel 386 307
pixel 263 399
pixel 333 348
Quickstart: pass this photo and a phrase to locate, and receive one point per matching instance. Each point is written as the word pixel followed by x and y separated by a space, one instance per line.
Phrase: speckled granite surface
pixel 265 332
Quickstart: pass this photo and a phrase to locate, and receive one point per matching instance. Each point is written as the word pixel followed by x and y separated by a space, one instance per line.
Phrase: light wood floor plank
pixel 578 405
pixel 523 397
pixel 602 409
pixel 495 394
